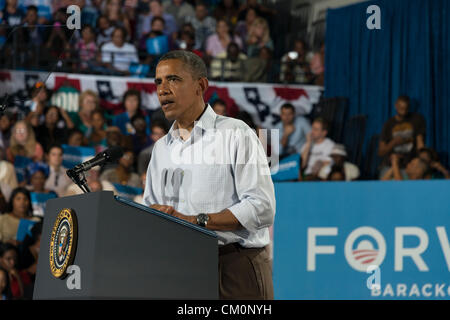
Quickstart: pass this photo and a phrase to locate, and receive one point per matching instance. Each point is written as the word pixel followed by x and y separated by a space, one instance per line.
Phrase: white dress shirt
pixel 222 165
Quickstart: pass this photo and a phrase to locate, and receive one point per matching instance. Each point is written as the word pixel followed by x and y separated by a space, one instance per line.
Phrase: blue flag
pixel 127 191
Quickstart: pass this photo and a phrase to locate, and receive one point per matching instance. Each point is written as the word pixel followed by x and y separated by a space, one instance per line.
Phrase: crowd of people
pixel 120 37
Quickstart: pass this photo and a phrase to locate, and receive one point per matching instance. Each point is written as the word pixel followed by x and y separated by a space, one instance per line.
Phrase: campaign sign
pixel 287 169
pixel 73 156
pixel 362 240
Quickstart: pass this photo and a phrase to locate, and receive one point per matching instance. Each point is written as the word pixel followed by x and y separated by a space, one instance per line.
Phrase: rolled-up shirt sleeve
pixel 254 187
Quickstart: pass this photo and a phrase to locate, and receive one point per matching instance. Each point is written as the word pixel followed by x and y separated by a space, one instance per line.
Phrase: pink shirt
pixel 214 46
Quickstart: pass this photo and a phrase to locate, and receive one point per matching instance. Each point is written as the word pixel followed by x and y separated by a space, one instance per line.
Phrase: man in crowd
pixel 57 180
pixel 316 152
pixel 416 169
pixel 293 130
pixel 203 24
pixel 403 134
pixel 339 157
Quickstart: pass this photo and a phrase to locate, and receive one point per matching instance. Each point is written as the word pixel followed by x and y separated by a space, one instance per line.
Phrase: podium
pixel 124 250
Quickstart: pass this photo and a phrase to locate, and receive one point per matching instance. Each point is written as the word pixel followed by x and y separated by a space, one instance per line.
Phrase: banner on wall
pixel 262 101
pixel 362 240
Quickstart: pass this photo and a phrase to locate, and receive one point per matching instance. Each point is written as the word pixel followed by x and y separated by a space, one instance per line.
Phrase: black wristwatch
pixel 202 219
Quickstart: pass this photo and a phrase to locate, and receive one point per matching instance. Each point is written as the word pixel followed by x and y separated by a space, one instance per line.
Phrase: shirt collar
pixel 206 121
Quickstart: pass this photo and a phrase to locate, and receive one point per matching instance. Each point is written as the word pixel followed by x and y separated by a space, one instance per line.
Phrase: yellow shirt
pixel 8 226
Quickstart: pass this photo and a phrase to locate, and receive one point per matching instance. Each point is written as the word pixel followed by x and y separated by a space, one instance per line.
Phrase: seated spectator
pixel 123 173
pixel 179 9
pixel 39 99
pixel 217 43
pixel 23 143
pixel 53 130
pixel 44 8
pixel 339 156
pixel 295 65
pixel 243 26
pixel 228 66
pixel 402 134
pixel 436 168
pixel 104 31
pixel 155 42
pixel 8 181
pixel 316 152
pixel 29 254
pixel 91 11
pixel 19 280
pixel 97 136
pixel 76 138
pixel 317 66
pixel 19 207
pixel 33 33
pixel 117 55
pixel 12 15
pixel 38 172
pixel 140 139
pixel 203 24
pixel 156 10
pixel 158 130
pixel 220 107
pixel 227 10
pixel 57 179
pixel 86 47
pixel 260 68
pixel 113 11
pixel 258 37
pixel 187 42
pixel 6 122
pixel 132 104
pixel 5 288
pixel 82 119
pixel 57 43
pixel 261 10
pixel 293 130
pixel 416 169
pixel 337 173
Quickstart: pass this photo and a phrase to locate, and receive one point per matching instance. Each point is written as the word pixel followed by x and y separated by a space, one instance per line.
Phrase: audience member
pixel 179 9
pixel 258 37
pixel 158 130
pixel 244 26
pixel 53 130
pixel 97 136
pixel 261 67
pixel 317 66
pixel 117 55
pixel 104 31
pixel 8 181
pixel 436 168
pixel 187 42
pixel 19 280
pixel 337 173
pixel 5 288
pixel 339 156
pixel 156 10
pixel 295 65
pixel 113 11
pixel 218 42
pixel 6 122
pixel 402 134
pixel 123 173
pixel 76 138
pixel 220 107
pixel 416 169
pixel 316 152
pixel 140 139
pixel 293 130
pixel 132 104
pixel 228 66
pixel 227 10
pixel 19 207
pixel 88 101
pixel 28 255
pixel 203 24
pixel 57 179
pixel 86 47
pixel 12 15
pixel 23 143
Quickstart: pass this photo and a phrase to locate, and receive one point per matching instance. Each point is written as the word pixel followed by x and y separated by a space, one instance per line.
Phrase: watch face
pixel 202 219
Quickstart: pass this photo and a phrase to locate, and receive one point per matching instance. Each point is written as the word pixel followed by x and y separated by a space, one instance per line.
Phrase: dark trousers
pixel 245 273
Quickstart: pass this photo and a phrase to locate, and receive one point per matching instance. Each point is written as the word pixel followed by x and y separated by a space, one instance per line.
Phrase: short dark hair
pixel 32 8
pixel 219 101
pixel 323 122
pixel 404 98
pixel 14 193
pixel 160 124
pixel 124 31
pixel 132 92
pixel 160 19
pixel 288 106
pixel 190 59
pixel 58 146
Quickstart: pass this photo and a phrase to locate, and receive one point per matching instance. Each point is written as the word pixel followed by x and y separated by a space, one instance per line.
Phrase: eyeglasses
pixel 21 130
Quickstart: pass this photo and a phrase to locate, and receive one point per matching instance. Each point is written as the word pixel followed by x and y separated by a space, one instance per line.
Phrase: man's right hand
pixel 163 208
pixel 289 129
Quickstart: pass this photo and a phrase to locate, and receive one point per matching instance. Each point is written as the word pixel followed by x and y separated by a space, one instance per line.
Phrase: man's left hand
pixel 170 210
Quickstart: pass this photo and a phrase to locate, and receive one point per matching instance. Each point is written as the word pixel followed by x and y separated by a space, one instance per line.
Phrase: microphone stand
pixel 79 178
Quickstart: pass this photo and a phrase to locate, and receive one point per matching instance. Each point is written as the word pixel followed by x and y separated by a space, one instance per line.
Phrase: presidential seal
pixel 63 242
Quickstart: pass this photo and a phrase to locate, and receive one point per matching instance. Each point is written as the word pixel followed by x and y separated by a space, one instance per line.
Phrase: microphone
pixel 109 155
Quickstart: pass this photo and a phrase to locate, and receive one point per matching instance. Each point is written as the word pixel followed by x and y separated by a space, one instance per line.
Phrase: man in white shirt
pixel 200 172
pixel 118 55
pixel 316 152
pixel 57 180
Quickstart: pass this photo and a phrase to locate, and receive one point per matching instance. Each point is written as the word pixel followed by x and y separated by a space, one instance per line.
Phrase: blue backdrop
pixel 327 234
pixel 409 55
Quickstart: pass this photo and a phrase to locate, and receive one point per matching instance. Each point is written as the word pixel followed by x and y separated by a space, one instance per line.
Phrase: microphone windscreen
pixel 114 153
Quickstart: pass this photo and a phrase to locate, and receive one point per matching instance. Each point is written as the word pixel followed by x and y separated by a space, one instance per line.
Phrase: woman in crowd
pixel 244 26
pixel 6 123
pixel 82 120
pixel 39 172
pixel 53 130
pixel 19 208
pixel 19 280
pixel 140 139
pixel 29 251
pixel 258 37
pixel 113 11
pixel 132 104
pixel 23 143
pixel 86 47
pixel 5 288
pixel 217 43
pixel 104 31
pixel 97 136
pixel 123 173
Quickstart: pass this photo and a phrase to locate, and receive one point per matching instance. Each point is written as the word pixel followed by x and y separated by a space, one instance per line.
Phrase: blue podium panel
pixel 335 240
